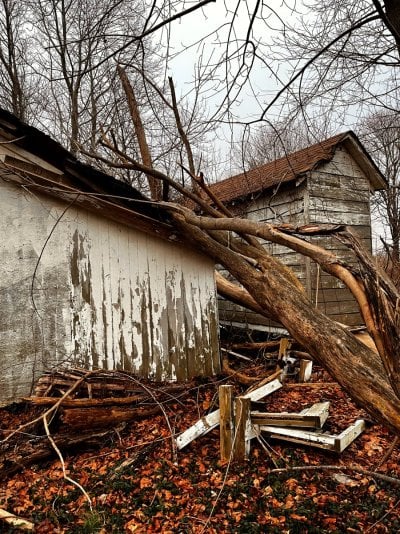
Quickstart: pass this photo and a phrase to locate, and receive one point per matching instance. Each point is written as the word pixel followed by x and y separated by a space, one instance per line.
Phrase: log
pixel 104 416
pixel 87 403
pixel 99 384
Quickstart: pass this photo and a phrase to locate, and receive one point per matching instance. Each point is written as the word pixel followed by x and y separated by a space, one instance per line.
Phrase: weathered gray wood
pixel 349 435
pixel 313 417
pixel 201 427
pixel 241 444
pixel 210 421
pixel 113 296
pixel 226 421
pixel 320 410
pixel 336 192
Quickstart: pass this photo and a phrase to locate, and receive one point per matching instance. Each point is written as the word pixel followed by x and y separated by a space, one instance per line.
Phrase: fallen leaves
pixel 137 489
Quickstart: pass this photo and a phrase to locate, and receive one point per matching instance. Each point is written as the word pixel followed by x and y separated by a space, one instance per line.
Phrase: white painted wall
pixel 79 289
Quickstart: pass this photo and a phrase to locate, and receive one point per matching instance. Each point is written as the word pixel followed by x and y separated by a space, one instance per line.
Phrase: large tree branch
pixel 357 368
pixel 329 262
pixel 154 184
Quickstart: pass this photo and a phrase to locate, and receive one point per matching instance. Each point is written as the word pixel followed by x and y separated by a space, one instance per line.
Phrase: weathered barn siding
pixel 337 191
pixel 284 206
pixel 80 289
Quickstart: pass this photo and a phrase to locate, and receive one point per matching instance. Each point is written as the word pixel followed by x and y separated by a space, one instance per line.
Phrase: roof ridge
pixel 284 169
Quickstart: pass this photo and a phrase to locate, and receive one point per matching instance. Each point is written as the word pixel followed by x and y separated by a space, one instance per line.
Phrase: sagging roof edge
pixel 82 176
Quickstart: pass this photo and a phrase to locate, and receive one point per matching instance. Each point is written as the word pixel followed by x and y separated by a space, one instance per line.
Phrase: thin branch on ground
pixel 356 469
pixel 66 477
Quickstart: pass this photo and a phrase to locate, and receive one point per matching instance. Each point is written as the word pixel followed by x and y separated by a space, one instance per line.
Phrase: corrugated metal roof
pixel 289 168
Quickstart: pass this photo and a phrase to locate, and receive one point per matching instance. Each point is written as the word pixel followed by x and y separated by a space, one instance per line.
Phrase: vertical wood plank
pixel 226 421
pixel 305 370
pixel 241 446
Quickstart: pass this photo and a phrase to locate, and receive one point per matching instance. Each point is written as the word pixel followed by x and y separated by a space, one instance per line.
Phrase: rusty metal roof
pixel 294 165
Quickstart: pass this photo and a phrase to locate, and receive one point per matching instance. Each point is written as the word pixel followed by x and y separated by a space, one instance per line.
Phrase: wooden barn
pixel 91 275
pixel 329 182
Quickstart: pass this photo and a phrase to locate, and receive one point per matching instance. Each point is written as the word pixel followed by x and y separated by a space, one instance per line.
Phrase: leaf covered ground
pixel 136 484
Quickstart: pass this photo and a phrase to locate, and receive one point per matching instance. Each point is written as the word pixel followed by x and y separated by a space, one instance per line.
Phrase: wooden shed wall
pixel 76 288
pixel 336 192
pixel 284 205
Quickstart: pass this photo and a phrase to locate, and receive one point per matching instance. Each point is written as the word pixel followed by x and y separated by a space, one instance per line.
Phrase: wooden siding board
pixel 323 177
pixel 329 205
pixel 344 165
pixel 352 219
pixel 100 301
pixel 319 190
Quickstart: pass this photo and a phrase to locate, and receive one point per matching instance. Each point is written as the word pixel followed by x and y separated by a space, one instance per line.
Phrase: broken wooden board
pixel 313 417
pixel 321 440
pixel 305 370
pixel 210 421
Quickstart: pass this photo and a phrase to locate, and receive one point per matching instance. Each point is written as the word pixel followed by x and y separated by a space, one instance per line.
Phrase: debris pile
pixel 76 407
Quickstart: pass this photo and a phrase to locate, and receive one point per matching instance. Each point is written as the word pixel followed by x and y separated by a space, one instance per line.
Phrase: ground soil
pixel 137 483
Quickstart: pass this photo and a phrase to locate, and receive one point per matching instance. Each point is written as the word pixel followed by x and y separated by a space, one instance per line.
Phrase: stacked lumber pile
pixel 101 399
pixel 78 407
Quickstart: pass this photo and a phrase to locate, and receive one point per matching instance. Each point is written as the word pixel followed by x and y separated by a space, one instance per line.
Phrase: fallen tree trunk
pixel 357 368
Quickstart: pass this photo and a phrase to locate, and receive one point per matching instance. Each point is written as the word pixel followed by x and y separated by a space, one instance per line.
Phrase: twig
pixel 383 517
pixel 356 469
pixel 264 446
pixel 388 452
pixel 237 355
pixel 204 529
pixel 149 391
pixel 66 477
pixel 313 385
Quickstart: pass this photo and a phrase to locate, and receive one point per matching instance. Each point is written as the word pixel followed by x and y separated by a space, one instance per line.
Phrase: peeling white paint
pixel 103 295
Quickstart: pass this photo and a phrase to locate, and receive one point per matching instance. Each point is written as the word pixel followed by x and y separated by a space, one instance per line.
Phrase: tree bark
pixel 154 184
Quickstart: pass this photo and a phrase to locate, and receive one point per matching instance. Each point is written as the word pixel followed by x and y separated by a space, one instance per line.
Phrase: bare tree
pixel 75 40
pixel 343 58
pixel 381 135
pixel 15 92
pixel 272 141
